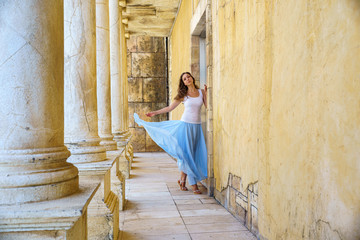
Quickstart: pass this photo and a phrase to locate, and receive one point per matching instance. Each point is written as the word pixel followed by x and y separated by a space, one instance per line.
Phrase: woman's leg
pixel 183 176
pixel 182 181
pixel 194 186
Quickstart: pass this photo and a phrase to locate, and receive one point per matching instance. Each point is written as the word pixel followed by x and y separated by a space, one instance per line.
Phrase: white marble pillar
pixel 126 135
pixel 124 79
pixel 115 70
pixel 33 157
pixel 103 74
pixel 81 121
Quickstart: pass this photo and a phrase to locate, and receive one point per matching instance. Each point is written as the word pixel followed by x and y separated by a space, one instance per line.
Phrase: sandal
pixel 182 185
pixel 197 191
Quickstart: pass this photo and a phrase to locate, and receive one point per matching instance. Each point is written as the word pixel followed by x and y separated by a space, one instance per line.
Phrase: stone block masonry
pixel 147 81
pixel 241 201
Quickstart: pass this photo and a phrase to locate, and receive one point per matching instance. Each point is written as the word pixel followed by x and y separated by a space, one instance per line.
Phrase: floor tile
pixel 204 212
pixel 209 200
pixel 151 214
pixel 183 207
pixel 188 201
pixel 240 235
pixel 158 226
pixel 137 236
pixel 215 227
pixel 209 219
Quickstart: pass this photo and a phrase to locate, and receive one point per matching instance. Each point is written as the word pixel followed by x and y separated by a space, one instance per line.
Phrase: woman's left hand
pixel 150 114
pixel 205 90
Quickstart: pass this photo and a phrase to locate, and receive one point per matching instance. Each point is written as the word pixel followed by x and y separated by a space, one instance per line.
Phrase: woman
pixel 184 139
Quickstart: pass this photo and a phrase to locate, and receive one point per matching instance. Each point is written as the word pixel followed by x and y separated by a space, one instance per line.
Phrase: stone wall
pixel 147 78
pixel 241 201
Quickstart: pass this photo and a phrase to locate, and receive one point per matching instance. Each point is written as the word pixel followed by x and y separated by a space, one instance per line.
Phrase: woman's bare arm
pixel 204 91
pixel 169 108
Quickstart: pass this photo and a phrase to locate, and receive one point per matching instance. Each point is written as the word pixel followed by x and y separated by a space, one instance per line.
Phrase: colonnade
pixel 64 138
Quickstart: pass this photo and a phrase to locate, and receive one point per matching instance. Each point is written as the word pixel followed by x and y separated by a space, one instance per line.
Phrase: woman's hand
pixel 205 95
pixel 150 114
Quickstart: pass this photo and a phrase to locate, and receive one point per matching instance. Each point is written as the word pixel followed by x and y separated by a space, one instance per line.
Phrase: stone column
pixel 115 70
pixel 103 74
pixel 209 114
pixel 117 86
pixel 33 157
pixel 126 135
pixel 81 121
pixel 124 78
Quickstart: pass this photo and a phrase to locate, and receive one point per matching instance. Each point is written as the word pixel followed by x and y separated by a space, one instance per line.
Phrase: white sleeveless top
pixel 192 108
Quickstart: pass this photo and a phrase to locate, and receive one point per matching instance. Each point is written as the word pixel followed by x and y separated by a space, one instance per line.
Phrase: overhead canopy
pixel 150 17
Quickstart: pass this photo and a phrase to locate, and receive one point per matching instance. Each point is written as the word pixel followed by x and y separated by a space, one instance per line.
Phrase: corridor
pixel 156 209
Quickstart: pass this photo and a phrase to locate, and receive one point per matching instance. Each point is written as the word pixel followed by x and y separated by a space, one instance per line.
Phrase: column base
pixel 86 153
pixel 63 218
pixel 122 138
pixel 33 175
pixel 109 145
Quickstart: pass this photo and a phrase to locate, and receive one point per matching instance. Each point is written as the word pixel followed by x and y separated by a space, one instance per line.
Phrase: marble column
pixel 33 157
pixel 124 79
pixel 126 135
pixel 103 74
pixel 81 120
pixel 115 70
pixel 118 67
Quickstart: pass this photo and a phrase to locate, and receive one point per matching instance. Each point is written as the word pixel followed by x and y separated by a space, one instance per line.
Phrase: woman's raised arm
pixel 169 108
pixel 204 91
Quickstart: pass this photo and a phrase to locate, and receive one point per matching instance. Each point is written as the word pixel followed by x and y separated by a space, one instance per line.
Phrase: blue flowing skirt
pixel 183 141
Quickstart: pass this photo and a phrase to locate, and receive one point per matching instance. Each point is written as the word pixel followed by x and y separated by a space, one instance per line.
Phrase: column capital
pixel 122 3
pixel 125 21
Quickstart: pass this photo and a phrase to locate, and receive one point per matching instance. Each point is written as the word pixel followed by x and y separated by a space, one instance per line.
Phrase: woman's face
pixel 187 79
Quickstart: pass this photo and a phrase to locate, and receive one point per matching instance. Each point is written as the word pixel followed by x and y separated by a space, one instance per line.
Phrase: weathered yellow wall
pixel 314 134
pixel 237 83
pixel 286 109
pixel 180 52
pixel 287 112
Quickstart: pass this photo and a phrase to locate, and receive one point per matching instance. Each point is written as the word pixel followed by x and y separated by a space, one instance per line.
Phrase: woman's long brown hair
pixel 183 89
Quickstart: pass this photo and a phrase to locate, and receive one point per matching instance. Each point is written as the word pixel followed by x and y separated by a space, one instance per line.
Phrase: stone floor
pixel 156 209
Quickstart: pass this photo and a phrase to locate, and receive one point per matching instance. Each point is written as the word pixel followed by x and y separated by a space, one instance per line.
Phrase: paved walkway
pixel 156 209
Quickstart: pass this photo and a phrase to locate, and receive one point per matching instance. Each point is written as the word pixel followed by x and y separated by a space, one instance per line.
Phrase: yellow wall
pixel 195 4
pixel 314 129
pixel 180 52
pixel 286 109
pixel 286 112
pixel 237 84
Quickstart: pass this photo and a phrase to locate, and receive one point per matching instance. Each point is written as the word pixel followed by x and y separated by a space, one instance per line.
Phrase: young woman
pixel 184 139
